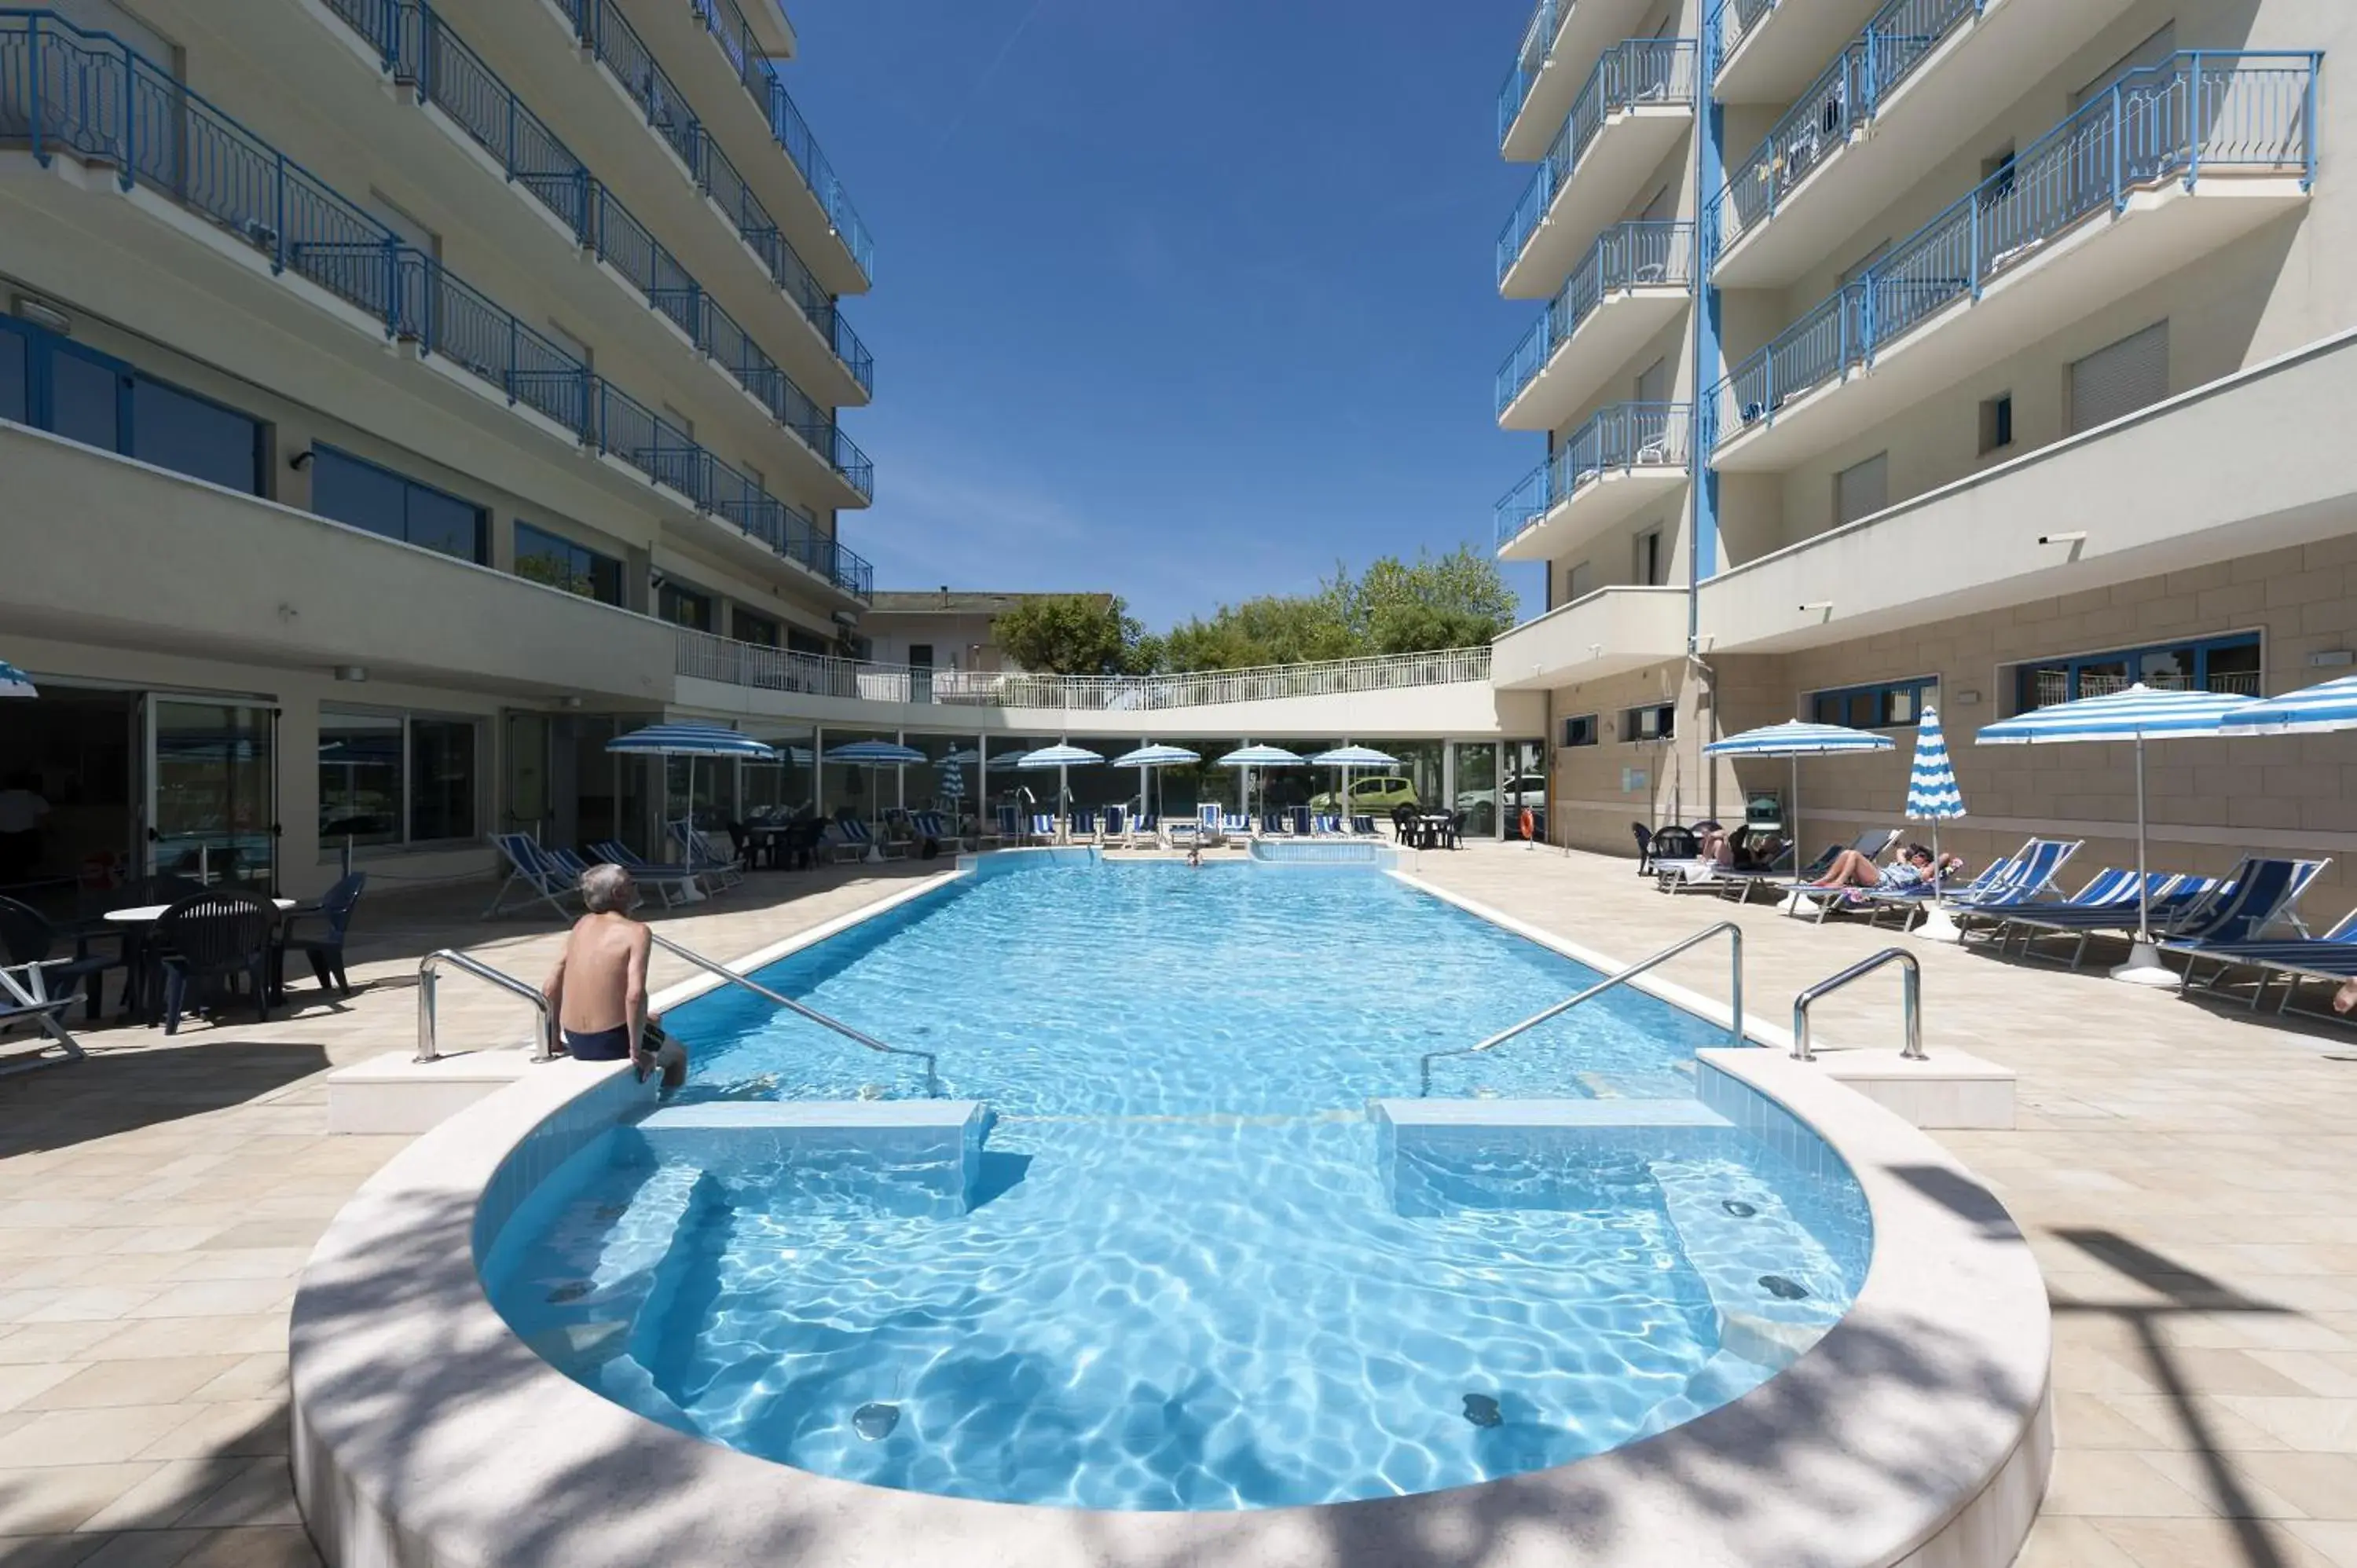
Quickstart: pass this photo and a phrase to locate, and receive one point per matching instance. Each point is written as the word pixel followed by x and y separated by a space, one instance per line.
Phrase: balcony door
pixel 213 790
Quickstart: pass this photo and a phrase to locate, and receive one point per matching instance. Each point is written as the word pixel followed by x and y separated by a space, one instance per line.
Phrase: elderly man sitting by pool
pixel 1912 868
pixel 598 992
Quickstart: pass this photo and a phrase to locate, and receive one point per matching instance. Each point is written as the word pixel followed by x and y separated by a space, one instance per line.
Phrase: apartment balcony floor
pixel 1786 49
pixel 1947 96
pixel 1624 153
pixel 1609 632
pixel 1611 496
pixel 1586 30
pixel 2255 462
pixel 1598 350
pixel 2060 281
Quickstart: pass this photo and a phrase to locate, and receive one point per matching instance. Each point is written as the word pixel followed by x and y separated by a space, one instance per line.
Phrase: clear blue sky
pixel 1185 299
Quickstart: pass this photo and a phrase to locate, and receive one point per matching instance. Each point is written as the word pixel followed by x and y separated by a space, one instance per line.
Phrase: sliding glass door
pixel 212 792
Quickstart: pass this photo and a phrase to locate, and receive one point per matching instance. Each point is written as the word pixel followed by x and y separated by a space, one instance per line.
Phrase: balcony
pixel 1630 456
pixel 1609 632
pixel 1638 101
pixel 1559 49
pixel 1923 75
pixel 182 171
pixel 1636 281
pixel 1768 49
pixel 2172 163
pixel 711 43
pixel 1974 546
pixel 419 49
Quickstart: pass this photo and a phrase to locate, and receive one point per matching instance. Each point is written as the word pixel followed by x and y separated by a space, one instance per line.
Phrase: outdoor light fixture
pixel 2077 536
pixel 41 313
pixel 300 461
pixel 1823 606
pixel 352 673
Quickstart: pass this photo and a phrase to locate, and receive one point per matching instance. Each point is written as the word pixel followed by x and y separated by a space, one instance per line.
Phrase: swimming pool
pixel 1196 1272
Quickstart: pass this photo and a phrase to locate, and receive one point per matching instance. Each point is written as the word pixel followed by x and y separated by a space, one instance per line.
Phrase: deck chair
pixel 2331 957
pixel 672 884
pixel 543 879
pixel 1042 829
pixel 1237 825
pixel 1183 832
pixel 1114 826
pixel 704 858
pixel 1144 828
pixel 2191 912
pixel 1080 827
pixel 24 999
pixel 1210 824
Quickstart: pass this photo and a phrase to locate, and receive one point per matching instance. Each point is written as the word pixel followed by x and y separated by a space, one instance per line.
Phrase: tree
pixel 1458 600
pixel 1070 634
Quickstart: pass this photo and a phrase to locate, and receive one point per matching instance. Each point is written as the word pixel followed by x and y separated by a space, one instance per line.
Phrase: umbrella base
pixel 2144 968
pixel 1937 928
pixel 874 856
pixel 691 892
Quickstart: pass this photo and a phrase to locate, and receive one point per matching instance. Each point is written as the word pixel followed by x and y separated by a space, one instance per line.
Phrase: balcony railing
pixel 418 46
pixel 1621 438
pixel 1626 256
pixel 734 34
pixel 88 95
pixel 2193 114
pixel 1538 41
pixel 709 658
pixel 1732 22
pixel 1634 73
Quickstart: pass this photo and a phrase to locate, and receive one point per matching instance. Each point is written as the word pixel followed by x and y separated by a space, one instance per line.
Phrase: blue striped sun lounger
pixel 2330 957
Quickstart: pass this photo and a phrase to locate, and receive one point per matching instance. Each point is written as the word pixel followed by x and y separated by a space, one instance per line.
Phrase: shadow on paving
pixel 2184 1291
pixel 120 1091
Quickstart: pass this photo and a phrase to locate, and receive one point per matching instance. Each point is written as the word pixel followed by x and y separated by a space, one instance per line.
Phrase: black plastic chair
pixel 1644 837
pixel 208 941
pixel 26 936
pixel 1675 843
pixel 325 950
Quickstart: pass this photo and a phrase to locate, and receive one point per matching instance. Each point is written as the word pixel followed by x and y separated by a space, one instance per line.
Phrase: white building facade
pixel 1981 353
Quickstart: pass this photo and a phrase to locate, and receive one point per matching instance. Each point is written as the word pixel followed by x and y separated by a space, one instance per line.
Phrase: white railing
pixel 708 658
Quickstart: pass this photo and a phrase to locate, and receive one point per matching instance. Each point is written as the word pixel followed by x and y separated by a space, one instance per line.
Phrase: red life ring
pixel 1528 824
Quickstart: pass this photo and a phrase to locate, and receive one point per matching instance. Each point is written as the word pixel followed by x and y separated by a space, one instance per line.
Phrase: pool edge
pixel 1917 1432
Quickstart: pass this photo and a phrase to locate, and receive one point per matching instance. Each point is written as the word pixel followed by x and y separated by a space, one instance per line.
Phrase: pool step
pixel 905 1158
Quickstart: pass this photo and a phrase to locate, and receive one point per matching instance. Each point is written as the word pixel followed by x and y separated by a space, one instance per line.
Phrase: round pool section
pixel 1191 1264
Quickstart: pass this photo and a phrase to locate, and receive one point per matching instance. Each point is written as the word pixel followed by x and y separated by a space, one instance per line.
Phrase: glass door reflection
pixel 213 782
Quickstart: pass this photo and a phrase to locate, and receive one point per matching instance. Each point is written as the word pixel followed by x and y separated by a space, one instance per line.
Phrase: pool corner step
pixel 927 1153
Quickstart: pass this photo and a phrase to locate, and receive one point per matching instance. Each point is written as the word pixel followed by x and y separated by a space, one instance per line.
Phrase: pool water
pixel 1185 1280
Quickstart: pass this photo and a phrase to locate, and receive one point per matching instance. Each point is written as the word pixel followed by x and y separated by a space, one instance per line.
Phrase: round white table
pixel 148 914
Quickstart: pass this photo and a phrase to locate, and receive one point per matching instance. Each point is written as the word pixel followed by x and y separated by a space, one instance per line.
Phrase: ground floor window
pixel 389 779
pixel 2228 664
pixel 1580 731
pixel 1889 705
pixel 1655 721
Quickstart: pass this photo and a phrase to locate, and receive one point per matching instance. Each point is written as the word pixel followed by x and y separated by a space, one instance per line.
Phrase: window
pixel 1862 490
pixel 396 778
pixel 1996 423
pixel 2149 53
pixel 351 490
pixel 1580 731
pixel 542 557
pixel 684 606
pixel 1654 384
pixel 1647 566
pixel 1996 178
pixel 55 385
pixel 747 626
pixel 2209 664
pixel 1579 582
pixel 800 641
pixel 1652 723
pixel 2115 381
pixel 922 653
pixel 1892 705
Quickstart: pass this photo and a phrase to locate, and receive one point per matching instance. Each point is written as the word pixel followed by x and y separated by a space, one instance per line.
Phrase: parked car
pixel 1523 790
pixel 1375 794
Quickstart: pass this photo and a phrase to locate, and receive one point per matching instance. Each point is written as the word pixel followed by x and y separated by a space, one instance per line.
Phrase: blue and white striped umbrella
pixel 690 737
pixel 875 753
pixel 14 682
pixel 2141 713
pixel 1932 792
pixel 1057 755
pixel 1354 756
pixel 2310 711
pixel 1796 739
pixel 1157 756
pixel 952 784
pixel 1261 757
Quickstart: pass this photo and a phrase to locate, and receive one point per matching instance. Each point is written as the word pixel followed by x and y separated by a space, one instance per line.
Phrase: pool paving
pixel 2183 1169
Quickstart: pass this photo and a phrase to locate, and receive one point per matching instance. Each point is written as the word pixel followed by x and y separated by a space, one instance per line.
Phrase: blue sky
pixel 1185 299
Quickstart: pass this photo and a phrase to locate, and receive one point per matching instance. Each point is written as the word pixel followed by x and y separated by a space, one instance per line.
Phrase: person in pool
pixel 598 992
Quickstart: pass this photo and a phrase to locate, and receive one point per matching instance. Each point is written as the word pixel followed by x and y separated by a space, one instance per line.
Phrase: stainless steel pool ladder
pixel 1910 1001
pixel 429 979
pixel 932 1073
pixel 1734 934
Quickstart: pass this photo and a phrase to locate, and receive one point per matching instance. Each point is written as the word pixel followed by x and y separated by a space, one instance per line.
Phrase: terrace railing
pixel 418 46
pixel 1626 256
pixel 1632 73
pixel 725 20
pixel 2194 114
pixel 706 657
pixel 1621 438
pixel 1732 21
pixel 1538 41
pixel 89 96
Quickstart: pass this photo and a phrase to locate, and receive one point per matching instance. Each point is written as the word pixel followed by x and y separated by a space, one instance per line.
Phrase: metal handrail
pixel 427 982
pixel 932 1065
pixel 1911 1001
pixel 1735 1000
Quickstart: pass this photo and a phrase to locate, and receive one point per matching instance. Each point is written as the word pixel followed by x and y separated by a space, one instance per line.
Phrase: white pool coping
pixel 1916 1432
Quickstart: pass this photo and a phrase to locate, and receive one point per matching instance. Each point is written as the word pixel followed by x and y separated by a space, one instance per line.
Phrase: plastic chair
pixel 325 950
pixel 28 939
pixel 1644 837
pixel 213 937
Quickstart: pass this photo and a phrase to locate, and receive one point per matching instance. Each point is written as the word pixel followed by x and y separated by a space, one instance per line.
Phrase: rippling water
pixel 1187 1285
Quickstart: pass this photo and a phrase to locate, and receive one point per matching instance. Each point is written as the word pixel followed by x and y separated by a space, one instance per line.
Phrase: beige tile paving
pixel 2183 1170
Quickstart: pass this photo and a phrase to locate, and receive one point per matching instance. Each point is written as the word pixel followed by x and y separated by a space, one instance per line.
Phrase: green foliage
pixel 1457 600
pixel 1070 634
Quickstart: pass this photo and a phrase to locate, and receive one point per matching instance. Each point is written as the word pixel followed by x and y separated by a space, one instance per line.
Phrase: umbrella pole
pixel 2144 966
pixel 1937 926
pixel 1792 904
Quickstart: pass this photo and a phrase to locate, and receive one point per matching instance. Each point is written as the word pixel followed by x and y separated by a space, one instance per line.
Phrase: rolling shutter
pixel 1863 490
pixel 2132 373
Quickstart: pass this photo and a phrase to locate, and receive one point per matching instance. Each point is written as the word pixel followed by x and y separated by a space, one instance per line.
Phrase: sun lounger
pixel 672 884
pixel 1183 832
pixel 1144 829
pixel 719 869
pixel 1080 827
pixel 544 880
pixel 1006 831
pixel 1236 825
pixel 1208 825
pixel 2025 876
pixel 2238 909
pixel 2330 957
pixel 1040 829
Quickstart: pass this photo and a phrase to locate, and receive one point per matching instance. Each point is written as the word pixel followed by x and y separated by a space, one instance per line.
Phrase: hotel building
pixel 1982 353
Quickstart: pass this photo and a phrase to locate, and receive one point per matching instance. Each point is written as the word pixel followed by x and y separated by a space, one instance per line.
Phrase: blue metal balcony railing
pixel 1621 438
pixel 1634 73
pixel 1732 21
pixel 418 46
pixel 1538 42
pixel 1641 254
pixel 89 96
pixel 2193 114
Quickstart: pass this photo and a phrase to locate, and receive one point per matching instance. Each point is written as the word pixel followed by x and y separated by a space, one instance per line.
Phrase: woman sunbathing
pixel 1913 867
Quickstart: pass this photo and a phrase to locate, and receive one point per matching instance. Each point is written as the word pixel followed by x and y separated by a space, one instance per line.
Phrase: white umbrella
pixel 2139 713
pixel 1797 740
